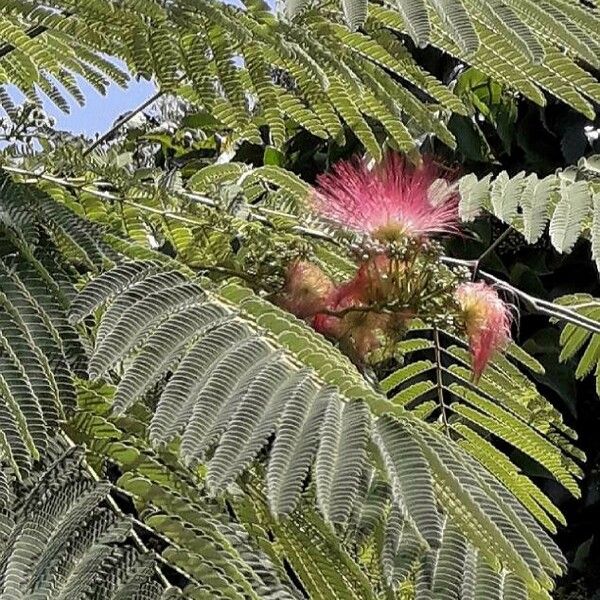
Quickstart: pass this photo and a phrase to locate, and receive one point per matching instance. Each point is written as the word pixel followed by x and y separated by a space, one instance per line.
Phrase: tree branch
pixel 535 304
pixel 81 185
pixel 489 250
pixel 117 510
pixel 122 121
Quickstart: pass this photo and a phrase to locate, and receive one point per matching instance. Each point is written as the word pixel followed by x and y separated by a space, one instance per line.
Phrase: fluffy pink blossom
pixel 359 324
pixel 377 279
pixel 393 199
pixel 487 322
pixel 306 291
pixel 342 297
pixel 357 328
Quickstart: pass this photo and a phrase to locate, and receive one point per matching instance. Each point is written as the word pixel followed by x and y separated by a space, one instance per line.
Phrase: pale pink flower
pixel 357 326
pixel 306 291
pixel 393 199
pixel 378 278
pixel 359 321
pixel 487 322
pixel 342 297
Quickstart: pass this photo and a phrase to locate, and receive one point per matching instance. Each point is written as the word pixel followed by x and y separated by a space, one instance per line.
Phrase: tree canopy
pixel 316 320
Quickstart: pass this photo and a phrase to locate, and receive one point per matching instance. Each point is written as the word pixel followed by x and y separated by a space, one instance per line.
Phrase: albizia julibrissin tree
pixel 218 381
pixel 352 448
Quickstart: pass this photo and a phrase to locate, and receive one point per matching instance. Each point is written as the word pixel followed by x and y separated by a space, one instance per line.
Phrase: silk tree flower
pixel 377 279
pixel 392 200
pixel 341 298
pixel 487 322
pixel 363 304
pixel 306 291
pixel 310 294
pixel 357 324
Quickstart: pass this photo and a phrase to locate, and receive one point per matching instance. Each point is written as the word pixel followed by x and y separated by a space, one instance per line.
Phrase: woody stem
pixel 489 250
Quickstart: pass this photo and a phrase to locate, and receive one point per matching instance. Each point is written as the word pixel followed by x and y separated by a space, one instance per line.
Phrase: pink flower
pixel 393 199
pixel 360 322
pixel 487 322
pixel 357 326
pixel 306 291
pixel 378 278
pixel 341 298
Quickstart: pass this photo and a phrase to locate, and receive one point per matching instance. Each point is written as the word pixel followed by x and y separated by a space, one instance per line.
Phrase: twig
pixel 376 308
pixel 124 119
pixel 489 250
pixel 226 271
pixel 440 383
pixel 538 305
pixel 167 214
pixel 80 185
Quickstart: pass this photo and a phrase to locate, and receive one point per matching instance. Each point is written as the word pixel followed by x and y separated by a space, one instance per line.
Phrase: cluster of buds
pixel 398 208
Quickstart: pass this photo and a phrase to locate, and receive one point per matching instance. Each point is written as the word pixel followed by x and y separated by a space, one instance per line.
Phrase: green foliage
pixel 241 370
pixel 524 25
pixel 177 507
pixel 211 550
pixel 230 451
pixel 557 73
pixel 240 95
pixel 504 404
pixel 80 533
pixel 40 348
pixel 574 339
pixel 566 201
pixel 491 102
pixel 232 388
pixel 329 65
pixel 63 538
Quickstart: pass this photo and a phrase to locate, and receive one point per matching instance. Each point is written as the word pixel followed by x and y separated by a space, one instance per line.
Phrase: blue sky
pixel 99 112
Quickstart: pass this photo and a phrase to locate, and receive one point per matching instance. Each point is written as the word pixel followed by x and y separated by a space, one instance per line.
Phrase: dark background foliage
pixel 522 136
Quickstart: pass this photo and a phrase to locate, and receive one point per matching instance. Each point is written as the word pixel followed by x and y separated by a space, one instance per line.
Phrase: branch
pixel 82 186
pixel 543 307
pixel 489 250
pixel 117 510
pixel 537 305
pixel 122 121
